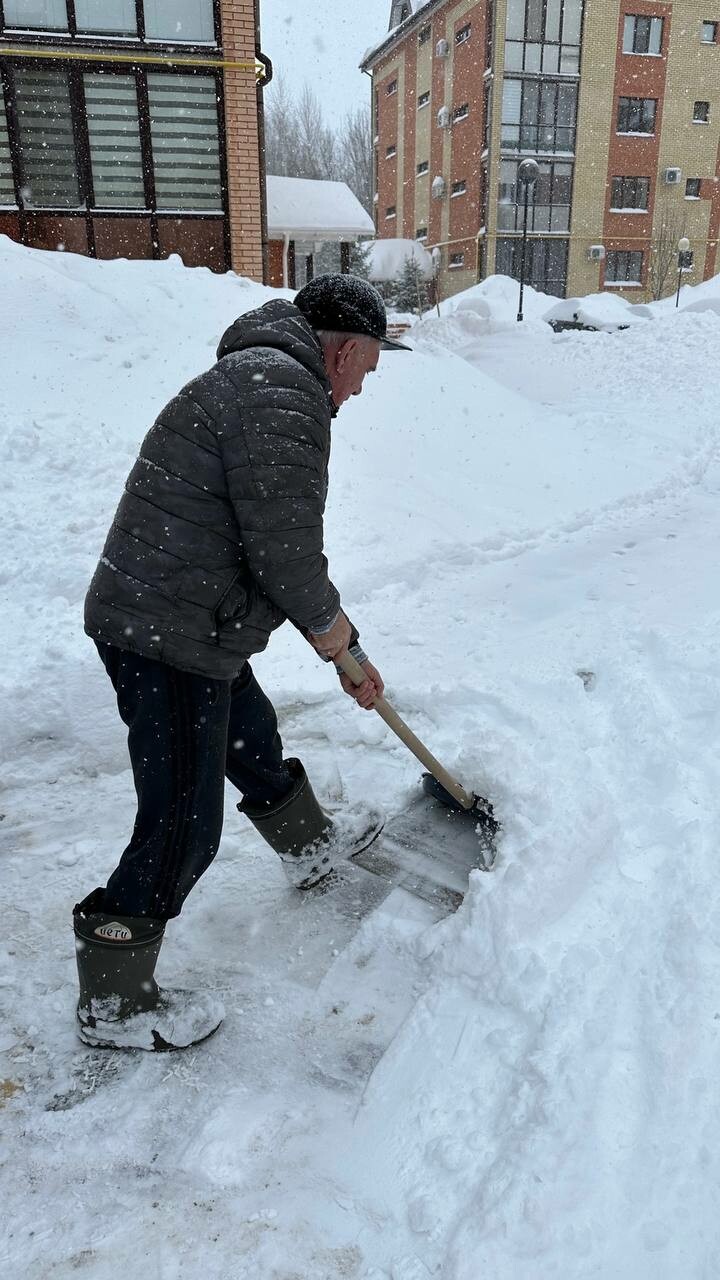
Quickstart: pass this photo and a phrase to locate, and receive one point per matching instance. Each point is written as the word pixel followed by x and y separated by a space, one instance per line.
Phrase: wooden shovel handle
pixel 355 672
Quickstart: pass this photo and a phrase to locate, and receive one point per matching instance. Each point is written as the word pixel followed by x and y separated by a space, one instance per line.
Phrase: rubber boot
pixel 307 840
pixel 121 1005
pixel 297 829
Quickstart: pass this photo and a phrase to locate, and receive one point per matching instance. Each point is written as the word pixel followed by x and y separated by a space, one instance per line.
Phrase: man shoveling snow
pixel 217 541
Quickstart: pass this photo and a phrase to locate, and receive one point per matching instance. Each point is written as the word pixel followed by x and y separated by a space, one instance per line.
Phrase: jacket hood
pixel 281 326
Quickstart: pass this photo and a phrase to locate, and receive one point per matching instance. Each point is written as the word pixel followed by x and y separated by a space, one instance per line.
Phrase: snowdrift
pixel 524 527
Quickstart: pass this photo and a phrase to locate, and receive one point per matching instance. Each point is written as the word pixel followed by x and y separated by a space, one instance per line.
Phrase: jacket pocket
pixel 233 606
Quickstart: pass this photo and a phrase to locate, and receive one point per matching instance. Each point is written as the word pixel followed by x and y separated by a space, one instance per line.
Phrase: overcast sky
pixel 322 41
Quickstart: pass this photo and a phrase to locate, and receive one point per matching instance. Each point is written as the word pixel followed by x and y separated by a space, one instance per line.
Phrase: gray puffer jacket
pixel 218 537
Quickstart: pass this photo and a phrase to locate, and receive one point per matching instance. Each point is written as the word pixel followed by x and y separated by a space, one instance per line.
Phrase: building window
pixel 49 174
pixel 463 35
pixel 102 156
pixel 692 189
pixel 391 88
pixel 391 211
pixel 701 113
pixel 422 168
pixel 461 113
pixel 116 16
pixel 642 34
pixel 456 260
pixel 487 116
pixel 708 32
pixel 36 15
pixel 636 115
pixel 539 116
pixel 421 233
pixel 543 37
pixel 549 207
pixel 624 267
pixel 114 136
pixel 545 267
pixel 489 28
pixel 391 151
pixel 424 35
pixel 184 21
pixel 630 193
pixel 423 99
pixel 458 188
pixel 184 130
pixel 7 186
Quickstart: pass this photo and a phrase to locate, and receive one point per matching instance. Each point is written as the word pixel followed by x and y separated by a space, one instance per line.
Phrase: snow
pixel 524 525
pixel 599 311
pixel 386 258
pixel 311 209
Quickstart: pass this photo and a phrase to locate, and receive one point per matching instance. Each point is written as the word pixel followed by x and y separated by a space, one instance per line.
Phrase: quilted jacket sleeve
pixel 274 436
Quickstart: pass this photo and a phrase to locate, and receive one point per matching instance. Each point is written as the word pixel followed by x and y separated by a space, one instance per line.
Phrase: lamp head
pixel 528 172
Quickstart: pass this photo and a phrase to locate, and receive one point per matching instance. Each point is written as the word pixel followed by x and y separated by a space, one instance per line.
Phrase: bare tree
pixel 356 155
pixel 299 144
pixel 670 226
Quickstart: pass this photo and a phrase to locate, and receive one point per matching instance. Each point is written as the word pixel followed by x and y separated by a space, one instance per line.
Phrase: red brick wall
pixel 636 76
pixel 408 158
pixel 467 135
pixel 241 126
pixel 388 109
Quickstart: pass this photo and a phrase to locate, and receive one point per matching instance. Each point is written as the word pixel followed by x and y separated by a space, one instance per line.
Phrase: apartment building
pixel 133 128
pixel 618 101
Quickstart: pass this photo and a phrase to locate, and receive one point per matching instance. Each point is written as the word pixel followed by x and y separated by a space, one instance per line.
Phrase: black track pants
pixel 186 734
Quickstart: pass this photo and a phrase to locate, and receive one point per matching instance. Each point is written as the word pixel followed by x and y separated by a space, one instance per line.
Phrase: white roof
pixel 309 209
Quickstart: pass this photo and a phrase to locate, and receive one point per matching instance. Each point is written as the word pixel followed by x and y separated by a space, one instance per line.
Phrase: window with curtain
pixel 114 132
pixel 117 16
pixel 623 267
pixel 546 264
pixel 642 34
pixel 549 205
pixel 49 170
pixel 7 186
pixel 43 15
pixel 543 36
pixel 183 20
pixel 636 115
pixel 185 144
pixel 539 115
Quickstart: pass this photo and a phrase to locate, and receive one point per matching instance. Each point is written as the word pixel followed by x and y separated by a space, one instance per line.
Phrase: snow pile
pixel 527 539
pixel 386 259
pixel 605 311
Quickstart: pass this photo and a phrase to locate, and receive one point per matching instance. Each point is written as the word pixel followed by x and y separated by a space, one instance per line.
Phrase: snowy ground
pixel 525 528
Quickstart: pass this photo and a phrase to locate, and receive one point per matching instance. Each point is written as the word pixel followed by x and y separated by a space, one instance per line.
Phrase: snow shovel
pixel 448 838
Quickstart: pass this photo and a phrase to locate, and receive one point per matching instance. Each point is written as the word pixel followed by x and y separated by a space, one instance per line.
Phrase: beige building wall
pixel 496 94
pixel 595 128
pixel 693 74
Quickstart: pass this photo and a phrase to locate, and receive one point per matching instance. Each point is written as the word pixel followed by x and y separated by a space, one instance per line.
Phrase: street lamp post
pixel 527 174
pixel 685 261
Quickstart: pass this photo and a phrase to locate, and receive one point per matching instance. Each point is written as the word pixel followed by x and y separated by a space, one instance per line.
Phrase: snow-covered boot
pixel 121 1005
pixel 309 842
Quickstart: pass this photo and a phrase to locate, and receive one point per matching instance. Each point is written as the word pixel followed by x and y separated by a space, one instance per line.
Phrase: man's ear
pixel 344 352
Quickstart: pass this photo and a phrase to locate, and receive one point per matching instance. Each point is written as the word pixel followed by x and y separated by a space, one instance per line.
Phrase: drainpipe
pixel 261 86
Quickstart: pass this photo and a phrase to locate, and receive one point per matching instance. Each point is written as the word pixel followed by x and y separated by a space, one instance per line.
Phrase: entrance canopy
pixel 310 209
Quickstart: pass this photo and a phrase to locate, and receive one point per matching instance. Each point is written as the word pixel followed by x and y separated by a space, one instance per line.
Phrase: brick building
pixel 617 100
pixel 133 128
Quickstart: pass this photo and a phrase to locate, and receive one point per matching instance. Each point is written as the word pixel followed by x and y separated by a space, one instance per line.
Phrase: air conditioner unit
pixel 596 252
pixel 439 187
pixel 671 177
pixel 442 48
pixel 443 117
